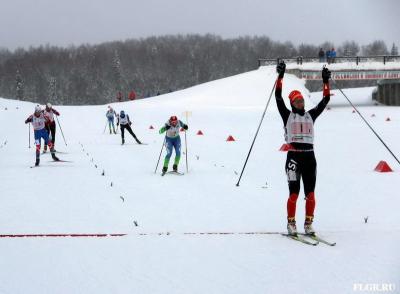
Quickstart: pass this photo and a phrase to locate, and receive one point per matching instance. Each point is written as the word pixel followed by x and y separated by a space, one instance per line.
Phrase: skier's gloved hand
pixel 326 75
pixel 185 127
pixel 117 125
pixel 167 127
pixel 280 69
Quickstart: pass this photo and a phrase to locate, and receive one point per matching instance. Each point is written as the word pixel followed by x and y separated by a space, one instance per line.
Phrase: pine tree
pixel 395 50
pixel 375 48
pixel 349 48
pixel 19 86
pixel 117 70
pixel 52 90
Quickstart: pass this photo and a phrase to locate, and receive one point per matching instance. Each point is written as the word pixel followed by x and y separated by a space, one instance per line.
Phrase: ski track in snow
pixel 156 256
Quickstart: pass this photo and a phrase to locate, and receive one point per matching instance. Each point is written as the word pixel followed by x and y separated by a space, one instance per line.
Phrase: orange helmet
pixel 295 94
pixel 173 120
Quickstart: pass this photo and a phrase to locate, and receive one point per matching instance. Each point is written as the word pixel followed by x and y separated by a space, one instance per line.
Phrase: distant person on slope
pixel 49 111
pixel 125 123
pixel 333 55
pixel 39 119
pixel 328 54
pixel 132 95
pixel 321 55
pixel 172 140
pixel 299 134
pixel 110 114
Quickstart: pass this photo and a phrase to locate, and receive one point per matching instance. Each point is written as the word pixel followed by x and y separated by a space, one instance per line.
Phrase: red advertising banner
pixel 353 75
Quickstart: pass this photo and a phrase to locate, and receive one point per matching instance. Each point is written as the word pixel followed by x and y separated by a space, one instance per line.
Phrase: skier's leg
pixel 47 127
pixel 309 175
pixel 293 177
pixel 109 125
pixel 123 133
pixel 113 126
pixel 53 133
pixel 169 147
pixel 133 134
pixel 37 144
pixel 177 146
pixel 47 141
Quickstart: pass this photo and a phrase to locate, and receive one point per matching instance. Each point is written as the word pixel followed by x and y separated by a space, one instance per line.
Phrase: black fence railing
pixel 340 59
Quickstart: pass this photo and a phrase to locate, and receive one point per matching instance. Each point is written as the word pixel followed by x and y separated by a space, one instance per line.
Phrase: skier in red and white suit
pixel 49 111
pixel 39 119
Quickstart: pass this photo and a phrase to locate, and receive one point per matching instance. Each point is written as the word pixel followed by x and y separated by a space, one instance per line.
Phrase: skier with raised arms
pixel 172 141
pixel 299 134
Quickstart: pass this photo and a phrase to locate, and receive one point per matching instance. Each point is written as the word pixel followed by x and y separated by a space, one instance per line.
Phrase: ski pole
pixel 376 134
pixel 162 147
pixel 29 135
pixel 105 127
pixel 258 129
pixel 186 152
pixel 61 130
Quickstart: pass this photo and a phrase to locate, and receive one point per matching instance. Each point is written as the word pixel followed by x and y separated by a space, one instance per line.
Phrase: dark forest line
pixel 94 74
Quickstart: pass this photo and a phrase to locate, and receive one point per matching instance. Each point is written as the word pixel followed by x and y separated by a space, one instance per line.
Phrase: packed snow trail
pixel 76 198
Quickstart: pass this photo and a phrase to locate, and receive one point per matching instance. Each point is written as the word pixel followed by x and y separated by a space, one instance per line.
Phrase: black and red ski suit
pixel 300 162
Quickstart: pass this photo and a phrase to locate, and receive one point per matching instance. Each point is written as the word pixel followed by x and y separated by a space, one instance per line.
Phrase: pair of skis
pixel 309 239
pixel 59 152
pixel 58 160
pixel 172 173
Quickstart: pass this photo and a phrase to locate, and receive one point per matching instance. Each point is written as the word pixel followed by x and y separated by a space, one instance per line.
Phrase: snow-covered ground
pixel 358 96
pixel 156 255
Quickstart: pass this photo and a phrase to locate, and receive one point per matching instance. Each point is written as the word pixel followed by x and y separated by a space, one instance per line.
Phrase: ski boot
pixel 37 161
pixel 53 155
pixel 123 141
pixel 175 168
pixel 137 141
pixel 164 170
pixel 291 227
pixel 44 148
pixel 308 229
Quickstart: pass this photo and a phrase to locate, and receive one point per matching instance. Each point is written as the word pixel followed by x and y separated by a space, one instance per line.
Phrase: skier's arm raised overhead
pixel 284 112
pixel 317 110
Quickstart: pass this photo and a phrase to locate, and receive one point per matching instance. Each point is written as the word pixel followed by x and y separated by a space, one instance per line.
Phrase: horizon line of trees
pixel 94 74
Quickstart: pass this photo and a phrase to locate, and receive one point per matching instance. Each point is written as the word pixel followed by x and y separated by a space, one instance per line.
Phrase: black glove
pixel 280 69
pixel 326 75
pixel 167 127
pixel 117 125
pixel 185 127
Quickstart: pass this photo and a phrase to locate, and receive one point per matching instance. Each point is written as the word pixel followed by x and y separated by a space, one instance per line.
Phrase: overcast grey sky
pixel 64 22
